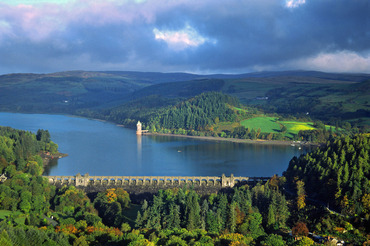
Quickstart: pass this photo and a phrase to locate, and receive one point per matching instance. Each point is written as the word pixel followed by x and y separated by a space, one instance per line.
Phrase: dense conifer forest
pixel 339 174
pixel 198 113
pixel 282 211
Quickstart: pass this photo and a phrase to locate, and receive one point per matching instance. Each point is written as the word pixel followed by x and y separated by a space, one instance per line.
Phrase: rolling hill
pixel 325 96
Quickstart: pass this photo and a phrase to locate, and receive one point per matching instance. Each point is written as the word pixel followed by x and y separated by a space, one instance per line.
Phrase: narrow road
pixel 321 203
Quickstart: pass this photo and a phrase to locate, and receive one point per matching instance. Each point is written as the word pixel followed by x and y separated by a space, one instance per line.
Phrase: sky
pixel 196 36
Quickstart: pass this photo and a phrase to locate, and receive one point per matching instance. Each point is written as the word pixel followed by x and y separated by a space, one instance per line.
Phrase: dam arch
pixel 87 180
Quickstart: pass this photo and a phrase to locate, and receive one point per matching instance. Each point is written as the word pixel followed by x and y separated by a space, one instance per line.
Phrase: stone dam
pixel 163 181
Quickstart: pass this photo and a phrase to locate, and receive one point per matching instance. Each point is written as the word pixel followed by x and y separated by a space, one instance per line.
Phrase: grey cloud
pixel 280 34
pixel 248 34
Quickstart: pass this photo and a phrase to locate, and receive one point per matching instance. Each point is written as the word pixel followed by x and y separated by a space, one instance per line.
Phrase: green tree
pixel 301 195
pixel 192 211
pixel 336 172
pixel 139 220
pixel 113 214
pixel 80 241
pixel 211 222
pixel 255 228
pixel 203 215
pixel 172 219
pixel 125 227
pixel 155 213
pixel 25 206
pixel 283 129
pixel 232 217
pixel 305 241
pixel 273 240
pixel 271 217
pixel 222 210
pixel 4 239
pixel 282 211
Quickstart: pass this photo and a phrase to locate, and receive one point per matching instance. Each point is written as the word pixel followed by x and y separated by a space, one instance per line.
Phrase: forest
pixel 219 115
pixel 283 211
pixel 197 113
pixel 20 150
pixel 338 175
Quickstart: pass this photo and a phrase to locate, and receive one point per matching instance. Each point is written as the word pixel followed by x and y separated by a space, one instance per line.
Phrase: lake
pixel 102 148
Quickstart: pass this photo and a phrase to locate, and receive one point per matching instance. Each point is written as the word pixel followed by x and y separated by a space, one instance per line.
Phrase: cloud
pixel 342 61
pixel 29 22
pixel 184 35
pixel 337 62
pixel 5 29
pixel 34 2
pixel 294 3
pixel 181 39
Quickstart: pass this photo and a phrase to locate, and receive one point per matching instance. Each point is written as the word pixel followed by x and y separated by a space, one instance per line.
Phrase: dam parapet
pixel 122 181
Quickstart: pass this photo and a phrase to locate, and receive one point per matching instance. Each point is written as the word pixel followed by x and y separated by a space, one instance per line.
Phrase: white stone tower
pixel 138 128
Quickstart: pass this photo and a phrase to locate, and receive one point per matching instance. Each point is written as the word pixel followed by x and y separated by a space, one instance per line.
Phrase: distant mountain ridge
pixel 324 95
pixel 160 77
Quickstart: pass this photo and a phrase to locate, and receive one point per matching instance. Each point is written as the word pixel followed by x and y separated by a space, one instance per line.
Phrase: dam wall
pixel 163 181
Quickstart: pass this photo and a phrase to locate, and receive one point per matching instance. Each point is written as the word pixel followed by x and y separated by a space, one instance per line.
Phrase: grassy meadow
pixel 267 124
pixel 295 126
pixel 273 125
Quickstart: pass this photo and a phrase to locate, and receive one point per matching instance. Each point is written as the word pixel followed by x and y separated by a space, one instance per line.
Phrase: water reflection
pixel 139 151
pixel 52 164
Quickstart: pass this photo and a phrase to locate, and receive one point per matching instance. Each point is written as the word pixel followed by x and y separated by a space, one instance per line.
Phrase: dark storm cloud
pixel 272 34
pixel 198 36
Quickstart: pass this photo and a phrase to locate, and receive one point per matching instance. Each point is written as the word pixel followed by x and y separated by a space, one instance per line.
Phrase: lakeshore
pixel 237 140
pixel 47 157
pixel 233 140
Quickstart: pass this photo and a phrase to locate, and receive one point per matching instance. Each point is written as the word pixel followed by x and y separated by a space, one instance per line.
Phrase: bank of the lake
pixel 238 140
pixel 210 138
pixel 48 158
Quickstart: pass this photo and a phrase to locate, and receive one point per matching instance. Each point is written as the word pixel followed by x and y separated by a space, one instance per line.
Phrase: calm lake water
pixel 101 148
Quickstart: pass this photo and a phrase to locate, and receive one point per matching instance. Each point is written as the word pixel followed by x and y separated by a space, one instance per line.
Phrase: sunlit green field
pixel 267 124
pixel 295 126
pixel 271 124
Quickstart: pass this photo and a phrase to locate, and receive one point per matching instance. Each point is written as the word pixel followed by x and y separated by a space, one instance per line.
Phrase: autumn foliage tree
pixel 111 205
pixel 300 230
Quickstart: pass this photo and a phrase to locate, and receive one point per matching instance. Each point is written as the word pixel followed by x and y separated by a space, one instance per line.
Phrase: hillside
pixel 325 96
pixel 329 97
pixel 218 115
pixel 63 92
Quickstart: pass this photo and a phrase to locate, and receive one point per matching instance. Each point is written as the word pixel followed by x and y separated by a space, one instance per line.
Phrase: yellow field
pixel 295 126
